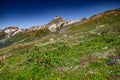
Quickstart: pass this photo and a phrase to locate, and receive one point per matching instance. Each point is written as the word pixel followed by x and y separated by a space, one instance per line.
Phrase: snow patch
pixel 72 22
pixel 17 32
pixel 8 31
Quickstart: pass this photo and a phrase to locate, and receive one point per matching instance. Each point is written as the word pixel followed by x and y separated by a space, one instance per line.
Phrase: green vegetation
pixel 88 51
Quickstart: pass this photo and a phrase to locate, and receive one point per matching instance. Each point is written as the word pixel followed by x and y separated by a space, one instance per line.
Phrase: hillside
pixel 85 49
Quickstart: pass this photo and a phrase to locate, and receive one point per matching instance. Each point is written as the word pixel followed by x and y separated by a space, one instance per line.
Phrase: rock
pixel 8 32
pixel 57 22
pixel 83 19
pixel 53 27
pixel 18 31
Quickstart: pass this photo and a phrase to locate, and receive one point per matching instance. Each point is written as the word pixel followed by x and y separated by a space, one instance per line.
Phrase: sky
pixel 28 13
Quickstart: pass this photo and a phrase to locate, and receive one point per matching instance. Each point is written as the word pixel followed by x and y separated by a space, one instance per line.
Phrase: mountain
pixel 13 34
pixel 85 49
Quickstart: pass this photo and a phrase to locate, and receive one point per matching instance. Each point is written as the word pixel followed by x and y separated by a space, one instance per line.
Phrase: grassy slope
pixel 25 37
pixel 80 53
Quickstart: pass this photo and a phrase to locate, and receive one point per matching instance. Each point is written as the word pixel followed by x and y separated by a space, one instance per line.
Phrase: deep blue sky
pixel 27 13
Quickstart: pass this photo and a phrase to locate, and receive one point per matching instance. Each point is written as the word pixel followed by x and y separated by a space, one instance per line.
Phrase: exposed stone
pixel 53 27
pixel 57 22
pixel 18 31
pixel 83 19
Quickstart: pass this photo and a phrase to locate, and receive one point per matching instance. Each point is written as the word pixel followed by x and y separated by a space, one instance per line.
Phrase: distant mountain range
pixel 58 24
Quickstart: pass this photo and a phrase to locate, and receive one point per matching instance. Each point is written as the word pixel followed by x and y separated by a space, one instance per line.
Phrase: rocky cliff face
pixel 56 23
pixel 8 32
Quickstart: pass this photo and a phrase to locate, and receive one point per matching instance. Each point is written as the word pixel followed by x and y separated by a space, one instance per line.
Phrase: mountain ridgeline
pixel 13 34
pixel 85 49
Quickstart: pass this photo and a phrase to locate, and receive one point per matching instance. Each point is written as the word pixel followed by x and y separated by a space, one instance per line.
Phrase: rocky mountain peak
pixel 8 32
pixel 56 20
pixel 56 23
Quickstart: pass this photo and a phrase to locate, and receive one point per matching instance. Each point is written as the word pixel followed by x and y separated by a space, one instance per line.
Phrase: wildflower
pixel 112 62
pixel 83 60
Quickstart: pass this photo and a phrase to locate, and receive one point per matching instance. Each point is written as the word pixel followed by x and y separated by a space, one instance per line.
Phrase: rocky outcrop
pixel 8 32
pixel 53 27
pixel 57 22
